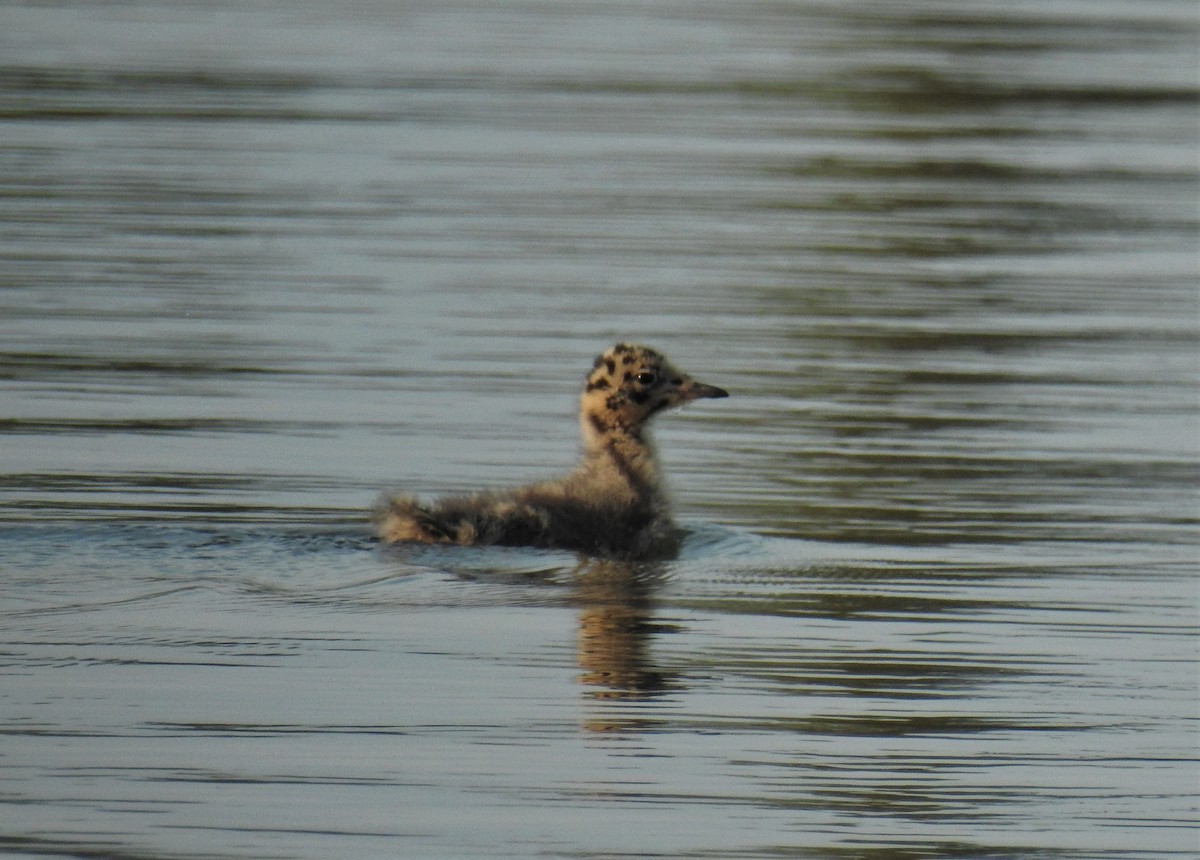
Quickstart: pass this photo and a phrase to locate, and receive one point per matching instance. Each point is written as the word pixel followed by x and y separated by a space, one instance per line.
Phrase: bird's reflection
pixel 616 624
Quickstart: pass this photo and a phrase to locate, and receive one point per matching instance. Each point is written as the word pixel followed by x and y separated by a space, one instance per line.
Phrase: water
pixel 261 261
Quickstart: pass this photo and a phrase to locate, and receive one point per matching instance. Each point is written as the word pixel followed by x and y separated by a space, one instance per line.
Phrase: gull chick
pixel 612 505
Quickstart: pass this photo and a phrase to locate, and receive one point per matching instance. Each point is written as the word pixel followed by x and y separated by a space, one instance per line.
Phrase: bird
pixel 612 505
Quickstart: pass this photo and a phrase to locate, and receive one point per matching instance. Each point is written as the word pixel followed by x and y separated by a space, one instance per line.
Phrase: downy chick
pixel 613 503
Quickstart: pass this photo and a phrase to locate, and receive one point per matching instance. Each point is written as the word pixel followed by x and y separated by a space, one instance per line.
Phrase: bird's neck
pixel 616 454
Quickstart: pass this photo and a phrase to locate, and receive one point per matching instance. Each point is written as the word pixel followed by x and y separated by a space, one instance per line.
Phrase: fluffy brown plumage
pixel 611 505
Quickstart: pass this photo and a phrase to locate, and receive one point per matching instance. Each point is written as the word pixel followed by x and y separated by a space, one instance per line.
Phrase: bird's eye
pixel 646 378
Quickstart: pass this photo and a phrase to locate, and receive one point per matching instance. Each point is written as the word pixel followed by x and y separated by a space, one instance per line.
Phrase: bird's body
pixel 611 505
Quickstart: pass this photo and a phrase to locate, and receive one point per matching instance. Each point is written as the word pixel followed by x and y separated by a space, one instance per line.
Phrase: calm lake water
pixel 260 261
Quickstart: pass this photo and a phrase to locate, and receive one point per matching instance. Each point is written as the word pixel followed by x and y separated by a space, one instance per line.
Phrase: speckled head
pixel 630 384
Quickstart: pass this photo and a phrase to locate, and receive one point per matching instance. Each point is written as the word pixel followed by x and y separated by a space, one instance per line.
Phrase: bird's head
pixel 629 384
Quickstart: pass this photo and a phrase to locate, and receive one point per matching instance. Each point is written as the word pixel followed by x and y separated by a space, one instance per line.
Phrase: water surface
pixel 261 261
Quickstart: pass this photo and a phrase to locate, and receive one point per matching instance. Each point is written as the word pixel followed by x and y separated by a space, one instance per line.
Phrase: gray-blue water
pixel 260 261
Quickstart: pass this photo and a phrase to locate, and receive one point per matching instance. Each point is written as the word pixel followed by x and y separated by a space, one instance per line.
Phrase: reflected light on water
pixel 260 262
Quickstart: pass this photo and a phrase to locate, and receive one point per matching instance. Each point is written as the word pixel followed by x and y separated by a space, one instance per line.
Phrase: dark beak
pixel 697 390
